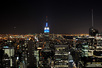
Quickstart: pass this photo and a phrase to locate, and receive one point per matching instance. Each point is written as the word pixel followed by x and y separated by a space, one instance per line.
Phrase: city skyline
pixel 23 17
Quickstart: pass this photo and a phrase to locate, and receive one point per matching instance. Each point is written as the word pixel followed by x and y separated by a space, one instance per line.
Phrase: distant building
pixel 92 31
pixel 46 28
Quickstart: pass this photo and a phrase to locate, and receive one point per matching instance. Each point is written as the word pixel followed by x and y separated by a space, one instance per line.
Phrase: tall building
pixel 46 28
pixel 31 59
pixel 9 54
pixel 92 31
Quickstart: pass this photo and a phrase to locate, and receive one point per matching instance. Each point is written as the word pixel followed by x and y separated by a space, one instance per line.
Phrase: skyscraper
pixel 46 28
pixel 31 59
pixel 92 31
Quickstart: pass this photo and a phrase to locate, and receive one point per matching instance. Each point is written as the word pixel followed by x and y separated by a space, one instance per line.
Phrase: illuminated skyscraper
pixel 46 28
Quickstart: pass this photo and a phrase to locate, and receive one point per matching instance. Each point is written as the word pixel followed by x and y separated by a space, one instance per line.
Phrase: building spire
pixel 46 18
pixel 92 19
pixel 46 21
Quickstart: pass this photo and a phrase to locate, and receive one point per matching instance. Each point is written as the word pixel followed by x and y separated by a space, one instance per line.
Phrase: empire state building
pixel 46 28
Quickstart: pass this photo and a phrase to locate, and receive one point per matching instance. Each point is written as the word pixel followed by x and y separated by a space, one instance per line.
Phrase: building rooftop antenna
pixel 46 21
pixel 92 19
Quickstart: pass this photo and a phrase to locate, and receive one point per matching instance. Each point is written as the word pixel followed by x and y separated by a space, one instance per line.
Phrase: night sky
pixel 64 16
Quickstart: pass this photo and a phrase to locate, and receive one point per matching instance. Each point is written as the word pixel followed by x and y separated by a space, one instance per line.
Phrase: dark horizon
pixel 64 17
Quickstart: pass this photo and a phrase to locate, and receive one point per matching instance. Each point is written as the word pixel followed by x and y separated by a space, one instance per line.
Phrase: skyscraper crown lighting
pixel 46 28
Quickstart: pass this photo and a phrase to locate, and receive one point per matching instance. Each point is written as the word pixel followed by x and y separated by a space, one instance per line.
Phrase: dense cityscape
pixel 51 34
pixel 47 50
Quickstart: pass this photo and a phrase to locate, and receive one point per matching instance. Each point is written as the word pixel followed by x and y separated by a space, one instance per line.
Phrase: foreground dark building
pixel 31 59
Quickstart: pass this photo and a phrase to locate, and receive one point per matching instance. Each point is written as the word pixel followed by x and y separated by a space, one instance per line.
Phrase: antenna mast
pixel 46 21
pixel 92 18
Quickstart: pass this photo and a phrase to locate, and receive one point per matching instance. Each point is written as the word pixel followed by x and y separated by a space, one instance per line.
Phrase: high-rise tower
pixel 92 31
pixel 46 28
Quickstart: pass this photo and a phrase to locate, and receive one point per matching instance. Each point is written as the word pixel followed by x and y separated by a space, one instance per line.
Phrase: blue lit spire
pixel 46 24
pixel 46 28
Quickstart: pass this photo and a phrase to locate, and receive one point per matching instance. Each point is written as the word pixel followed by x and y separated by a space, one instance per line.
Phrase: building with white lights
pixel 46 28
